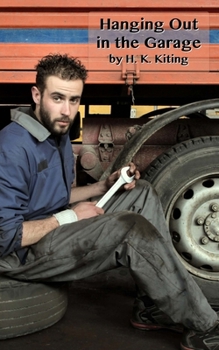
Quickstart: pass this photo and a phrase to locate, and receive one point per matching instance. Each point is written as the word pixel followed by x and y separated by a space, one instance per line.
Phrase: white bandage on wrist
pixel 66 217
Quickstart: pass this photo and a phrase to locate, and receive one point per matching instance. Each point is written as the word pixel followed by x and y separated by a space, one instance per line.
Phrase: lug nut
pixel 204 240
pixel 200 221
pixel 214 207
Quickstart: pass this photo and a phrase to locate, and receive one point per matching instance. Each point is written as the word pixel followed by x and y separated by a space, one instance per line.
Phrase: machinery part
pixel 106 146
pixel 187 180
pixel 90 162
pixel 133 145
pixel 29 307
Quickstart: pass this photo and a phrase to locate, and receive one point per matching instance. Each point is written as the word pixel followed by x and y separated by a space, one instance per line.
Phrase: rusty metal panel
pixel 107 149
pixel 171 134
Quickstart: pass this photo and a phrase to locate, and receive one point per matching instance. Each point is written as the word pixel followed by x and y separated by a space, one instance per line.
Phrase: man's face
pixel 58 106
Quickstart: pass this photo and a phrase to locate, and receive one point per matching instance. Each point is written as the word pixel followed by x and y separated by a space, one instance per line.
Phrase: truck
pixel 142 53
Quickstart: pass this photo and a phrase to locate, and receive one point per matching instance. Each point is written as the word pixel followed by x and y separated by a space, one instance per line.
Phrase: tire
pixel 186 179
pixel 29 307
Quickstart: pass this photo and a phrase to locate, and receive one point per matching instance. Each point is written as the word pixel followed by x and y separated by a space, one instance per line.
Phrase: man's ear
pixel 36 95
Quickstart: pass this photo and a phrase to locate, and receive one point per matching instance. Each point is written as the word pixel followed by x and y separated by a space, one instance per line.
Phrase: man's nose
pixel 66 108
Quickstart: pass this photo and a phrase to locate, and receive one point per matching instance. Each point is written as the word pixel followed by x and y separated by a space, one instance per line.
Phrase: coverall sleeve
pixel 14 196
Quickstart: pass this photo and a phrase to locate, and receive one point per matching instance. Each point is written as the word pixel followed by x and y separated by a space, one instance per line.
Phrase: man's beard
pixel 50 125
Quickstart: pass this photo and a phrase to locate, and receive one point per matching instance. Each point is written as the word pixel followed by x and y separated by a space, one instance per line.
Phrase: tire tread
pixel 165 158
pixel 29 307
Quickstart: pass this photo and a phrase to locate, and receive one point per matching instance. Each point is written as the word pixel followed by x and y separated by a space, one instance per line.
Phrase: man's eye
pixel 75 100
pixel 56 98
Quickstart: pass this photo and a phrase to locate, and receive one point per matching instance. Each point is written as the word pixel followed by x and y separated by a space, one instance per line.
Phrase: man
pixel 42 238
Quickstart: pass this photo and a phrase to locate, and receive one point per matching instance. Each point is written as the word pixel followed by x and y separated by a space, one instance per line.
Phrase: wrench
pixel 123 179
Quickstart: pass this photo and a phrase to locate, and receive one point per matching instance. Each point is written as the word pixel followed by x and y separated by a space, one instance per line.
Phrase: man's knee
pixel 135 223
pixel 141 228
pixel 147 186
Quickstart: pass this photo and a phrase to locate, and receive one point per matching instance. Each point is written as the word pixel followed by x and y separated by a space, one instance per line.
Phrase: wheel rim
pixel 193 217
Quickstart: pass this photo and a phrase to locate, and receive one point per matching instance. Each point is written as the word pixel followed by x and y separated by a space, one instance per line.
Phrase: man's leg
pixel 91 246
pixel 142 200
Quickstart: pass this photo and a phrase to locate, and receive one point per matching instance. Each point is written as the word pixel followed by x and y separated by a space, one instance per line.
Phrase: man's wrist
pixel 103 188
pixel 66 217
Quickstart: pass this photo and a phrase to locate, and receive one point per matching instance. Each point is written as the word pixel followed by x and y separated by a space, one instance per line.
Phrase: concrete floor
pixel 97 318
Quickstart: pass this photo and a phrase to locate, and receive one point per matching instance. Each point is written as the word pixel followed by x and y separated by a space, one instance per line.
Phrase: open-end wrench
pixel 123 179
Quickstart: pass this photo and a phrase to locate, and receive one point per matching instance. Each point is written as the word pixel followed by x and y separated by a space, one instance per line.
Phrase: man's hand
pixel 85 210
pixel 83 193
pixel 114 177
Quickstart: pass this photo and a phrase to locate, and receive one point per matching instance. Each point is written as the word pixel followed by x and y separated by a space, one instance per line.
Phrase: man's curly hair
pixel 62 66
